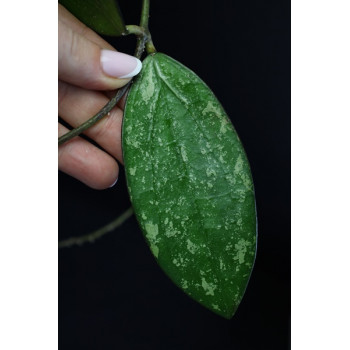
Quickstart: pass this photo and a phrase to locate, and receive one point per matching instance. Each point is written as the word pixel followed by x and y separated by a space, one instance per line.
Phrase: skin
pixel 83 89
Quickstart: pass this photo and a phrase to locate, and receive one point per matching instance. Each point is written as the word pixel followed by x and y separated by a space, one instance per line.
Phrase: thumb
pixel 83 63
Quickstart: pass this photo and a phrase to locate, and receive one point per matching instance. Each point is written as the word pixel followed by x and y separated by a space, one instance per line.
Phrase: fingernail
pixel 113 183
pixel 119 65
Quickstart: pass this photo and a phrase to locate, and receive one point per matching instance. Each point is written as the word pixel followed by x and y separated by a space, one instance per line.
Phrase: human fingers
pixel 76 105
pixel 69 20
pixel 91 64
pixel 87 163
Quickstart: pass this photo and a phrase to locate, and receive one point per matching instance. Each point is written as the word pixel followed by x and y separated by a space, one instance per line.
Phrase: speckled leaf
pixel 190 184
pixel 102 16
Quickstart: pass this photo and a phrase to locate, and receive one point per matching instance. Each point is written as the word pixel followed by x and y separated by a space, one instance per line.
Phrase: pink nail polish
pixel 119 65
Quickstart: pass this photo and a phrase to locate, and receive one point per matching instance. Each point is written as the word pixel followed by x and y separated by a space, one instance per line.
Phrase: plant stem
pixel 93 120
pixel 140 46
pixel 145 14
pixel 144 24
pixel 134 29
pixel 91 237
pixel 142 34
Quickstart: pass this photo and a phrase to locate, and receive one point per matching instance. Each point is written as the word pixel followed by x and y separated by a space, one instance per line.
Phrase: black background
pixel 112 294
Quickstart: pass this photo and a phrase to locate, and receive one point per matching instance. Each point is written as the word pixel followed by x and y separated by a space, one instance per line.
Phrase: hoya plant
pixel 187 173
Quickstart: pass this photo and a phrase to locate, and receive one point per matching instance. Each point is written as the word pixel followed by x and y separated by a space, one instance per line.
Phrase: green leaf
pixel 190 184
pixel 102 16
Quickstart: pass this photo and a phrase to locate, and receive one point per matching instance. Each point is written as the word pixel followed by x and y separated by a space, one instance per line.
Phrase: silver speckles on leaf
pixel 190 184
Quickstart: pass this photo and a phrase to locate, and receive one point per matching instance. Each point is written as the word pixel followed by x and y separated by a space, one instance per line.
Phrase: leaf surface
pixel 102 16
pixel 190 184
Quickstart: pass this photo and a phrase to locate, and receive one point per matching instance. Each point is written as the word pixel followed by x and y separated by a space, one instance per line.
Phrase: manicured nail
pixel 119 65
pixel 113 183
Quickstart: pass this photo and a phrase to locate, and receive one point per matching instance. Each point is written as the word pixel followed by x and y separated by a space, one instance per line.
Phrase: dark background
pixel 112 294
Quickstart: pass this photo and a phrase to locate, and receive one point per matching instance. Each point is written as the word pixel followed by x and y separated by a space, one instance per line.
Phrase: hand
pixel 88 70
